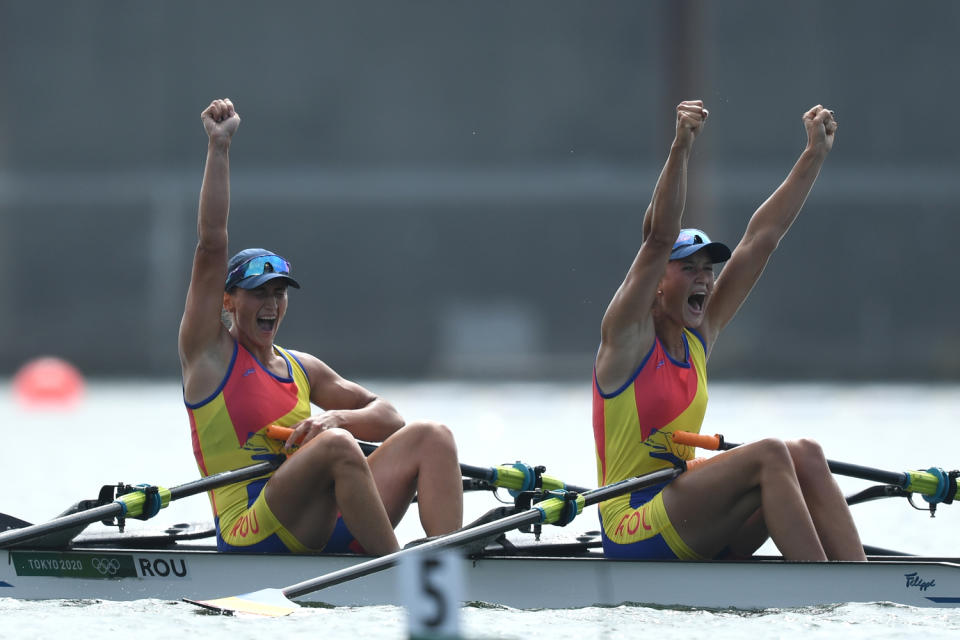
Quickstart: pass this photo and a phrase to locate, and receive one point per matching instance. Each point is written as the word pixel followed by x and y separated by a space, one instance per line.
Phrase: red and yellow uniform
pixel 632 428
pixel 228 433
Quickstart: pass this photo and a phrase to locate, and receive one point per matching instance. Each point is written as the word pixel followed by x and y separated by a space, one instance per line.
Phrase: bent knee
pixel 805 448
pixel 806 454
pixel 773 451
pixel 430 430
pixel 336 444
pixel 432 434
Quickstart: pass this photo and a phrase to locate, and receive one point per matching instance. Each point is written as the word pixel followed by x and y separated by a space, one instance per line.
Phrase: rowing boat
pixel 182 562
pixel 55 560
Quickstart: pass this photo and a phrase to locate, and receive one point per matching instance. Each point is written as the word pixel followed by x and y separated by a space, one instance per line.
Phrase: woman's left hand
pixel 821 128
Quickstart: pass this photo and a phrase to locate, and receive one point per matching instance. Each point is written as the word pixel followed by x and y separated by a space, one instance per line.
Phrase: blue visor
pixel 692 240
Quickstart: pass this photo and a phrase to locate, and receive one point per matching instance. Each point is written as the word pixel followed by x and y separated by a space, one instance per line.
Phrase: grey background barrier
pixel 460 185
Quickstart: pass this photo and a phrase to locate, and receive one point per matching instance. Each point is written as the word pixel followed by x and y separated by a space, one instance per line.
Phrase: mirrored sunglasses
pixel 258 266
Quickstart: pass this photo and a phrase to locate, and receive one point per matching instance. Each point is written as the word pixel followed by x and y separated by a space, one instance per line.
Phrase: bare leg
pixel 709 506
pixel 421 459
pixel 749 538
pixel 826 503
pixel 330 474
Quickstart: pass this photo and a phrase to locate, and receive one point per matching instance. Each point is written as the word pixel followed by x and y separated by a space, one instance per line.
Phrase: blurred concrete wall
pixel 460 185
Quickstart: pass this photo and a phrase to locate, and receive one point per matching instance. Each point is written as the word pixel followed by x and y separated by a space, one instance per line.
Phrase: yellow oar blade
pixel 265 602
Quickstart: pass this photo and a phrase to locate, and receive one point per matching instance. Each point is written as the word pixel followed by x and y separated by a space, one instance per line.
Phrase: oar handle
pixel 276 432
pixel 937 485
pixel 701 440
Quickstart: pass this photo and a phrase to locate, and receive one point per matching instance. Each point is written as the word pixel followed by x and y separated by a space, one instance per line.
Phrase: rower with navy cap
pixel 650 379
pixel 237 382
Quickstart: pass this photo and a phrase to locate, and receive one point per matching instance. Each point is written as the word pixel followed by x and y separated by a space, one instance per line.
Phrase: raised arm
pixel 627 332
pixel 202 334
pixel 769 224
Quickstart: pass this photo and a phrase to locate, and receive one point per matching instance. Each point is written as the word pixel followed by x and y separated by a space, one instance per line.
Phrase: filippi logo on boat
pixel 914 579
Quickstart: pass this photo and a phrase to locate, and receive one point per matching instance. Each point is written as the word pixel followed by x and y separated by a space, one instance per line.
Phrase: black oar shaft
pixel 224 478
pixel 460 538
pixel 868 473
pixel 114 509
pixel 467 470
pixel 855 470
pixel 102 512
pixel 478 473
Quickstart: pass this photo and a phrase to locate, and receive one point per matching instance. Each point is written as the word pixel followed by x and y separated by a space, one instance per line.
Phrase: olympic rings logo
pixel 106 567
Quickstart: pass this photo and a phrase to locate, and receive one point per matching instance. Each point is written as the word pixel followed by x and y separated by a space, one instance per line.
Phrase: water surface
pixel 138 432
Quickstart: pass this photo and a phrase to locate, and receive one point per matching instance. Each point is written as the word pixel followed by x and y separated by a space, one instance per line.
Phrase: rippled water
pixel 138 433
pixel 148 619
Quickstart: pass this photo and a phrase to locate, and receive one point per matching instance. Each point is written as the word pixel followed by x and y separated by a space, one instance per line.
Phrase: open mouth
pixel 696 301
pixel 266 324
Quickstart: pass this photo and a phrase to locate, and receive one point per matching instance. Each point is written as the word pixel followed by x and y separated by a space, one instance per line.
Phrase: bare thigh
pixel 710 506
pixel 301 492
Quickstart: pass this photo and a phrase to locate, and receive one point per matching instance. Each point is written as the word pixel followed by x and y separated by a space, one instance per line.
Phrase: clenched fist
pixel 691 116
pixel 821 128
pixel 220 120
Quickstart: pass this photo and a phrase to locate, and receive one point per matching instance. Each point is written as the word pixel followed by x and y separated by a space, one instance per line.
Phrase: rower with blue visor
pixel 326 496
pixel 650 380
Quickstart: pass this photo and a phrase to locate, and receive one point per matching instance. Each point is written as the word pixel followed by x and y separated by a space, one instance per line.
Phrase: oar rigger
pixel 138 503
pixel 945 491
pixel 560 512
pixel 141 502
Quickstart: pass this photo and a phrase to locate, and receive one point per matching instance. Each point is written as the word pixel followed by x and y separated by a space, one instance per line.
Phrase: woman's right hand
pixel 691 116
pixel 220 120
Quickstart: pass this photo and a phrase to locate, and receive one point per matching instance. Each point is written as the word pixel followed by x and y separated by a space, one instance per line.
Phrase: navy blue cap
pixel 250 268
pixel 692 240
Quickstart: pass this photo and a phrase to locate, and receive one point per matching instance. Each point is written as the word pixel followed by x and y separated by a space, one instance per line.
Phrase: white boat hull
pixel 519 582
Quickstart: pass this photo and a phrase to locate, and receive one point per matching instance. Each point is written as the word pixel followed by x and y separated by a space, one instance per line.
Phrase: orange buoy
pixel 48 382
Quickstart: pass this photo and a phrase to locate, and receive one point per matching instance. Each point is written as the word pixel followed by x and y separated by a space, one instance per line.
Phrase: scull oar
pixel 143 502
pixel 935 485
pixel 276 602
pixel 519 477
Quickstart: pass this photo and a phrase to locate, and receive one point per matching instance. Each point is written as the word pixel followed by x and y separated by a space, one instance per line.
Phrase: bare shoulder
pixel 330 390
pixel 315 368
